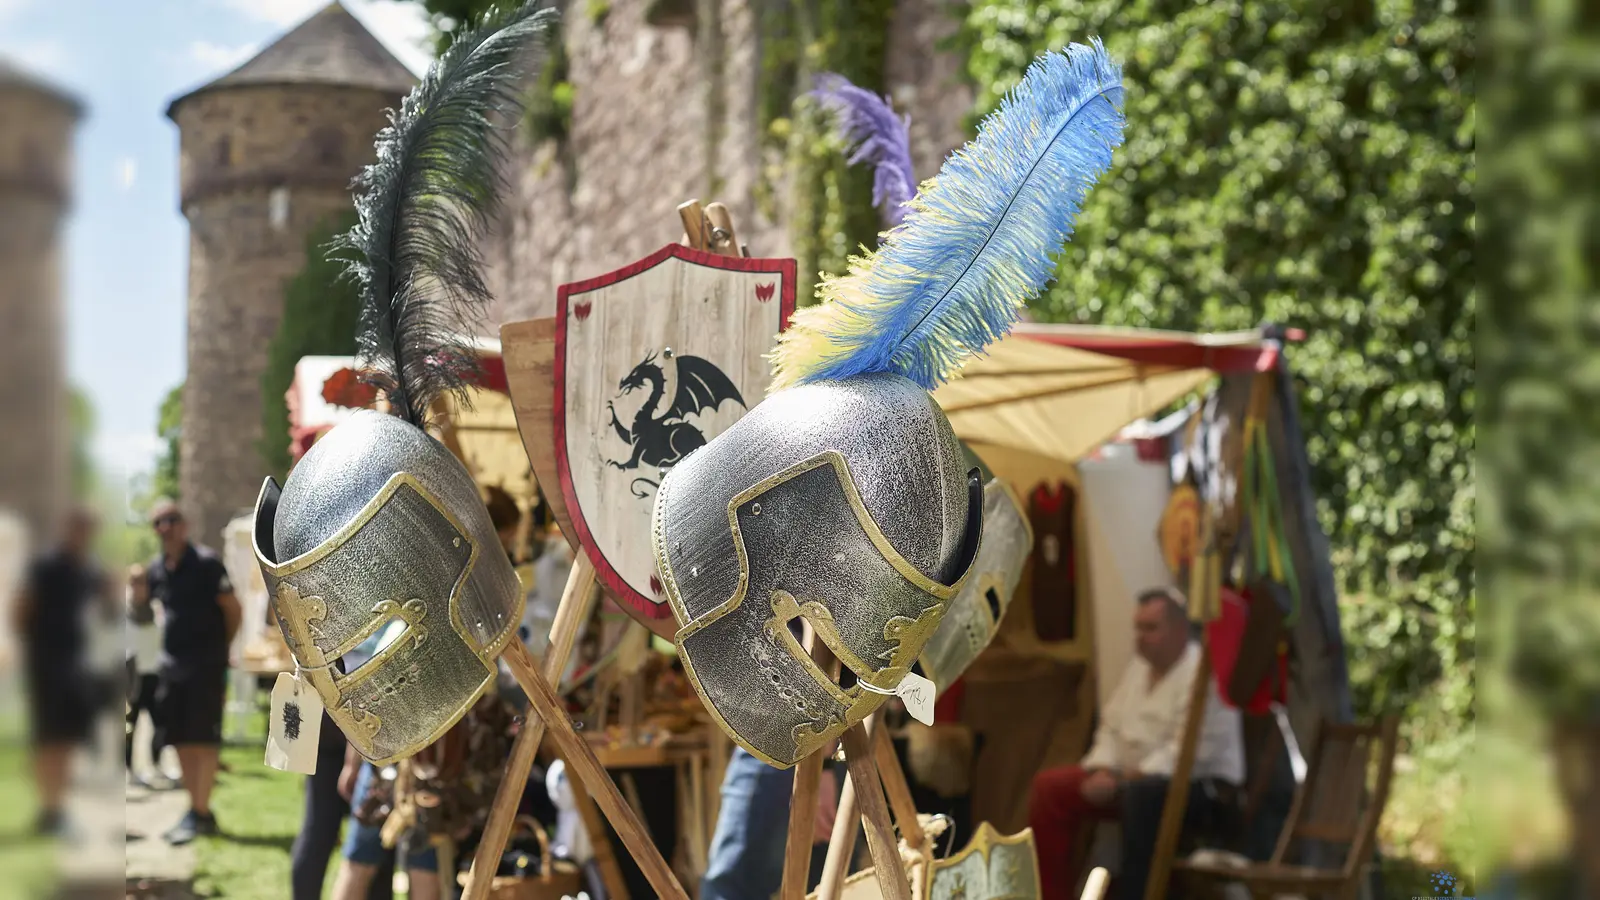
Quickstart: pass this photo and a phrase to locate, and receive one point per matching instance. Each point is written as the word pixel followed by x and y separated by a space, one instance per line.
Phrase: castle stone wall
pixel 639 145
pixel 35 178
pixel 260 168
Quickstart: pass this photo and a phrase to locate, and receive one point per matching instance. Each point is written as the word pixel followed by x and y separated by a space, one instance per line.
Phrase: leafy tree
pixel 449 15
pixel 169 427
pixel 1541 409
pixel 320 308
pixel 81 424
pixel 1309 163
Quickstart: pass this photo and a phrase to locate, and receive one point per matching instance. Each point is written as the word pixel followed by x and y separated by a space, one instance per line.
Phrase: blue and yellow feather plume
pixel 980 240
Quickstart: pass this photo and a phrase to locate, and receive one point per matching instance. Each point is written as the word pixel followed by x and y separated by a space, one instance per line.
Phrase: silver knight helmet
pixel 975 613
pixel 843 498
pixel 379 523
pixel 379 529
pixel 844 503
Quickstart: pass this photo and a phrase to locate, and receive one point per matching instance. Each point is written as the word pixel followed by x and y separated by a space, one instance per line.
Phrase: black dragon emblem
pixel 661 440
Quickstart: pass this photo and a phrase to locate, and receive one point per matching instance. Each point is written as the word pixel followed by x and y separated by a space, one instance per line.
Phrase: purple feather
pixel 873 133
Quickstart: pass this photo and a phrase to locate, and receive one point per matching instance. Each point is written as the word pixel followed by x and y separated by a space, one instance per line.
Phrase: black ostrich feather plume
pixel 425 204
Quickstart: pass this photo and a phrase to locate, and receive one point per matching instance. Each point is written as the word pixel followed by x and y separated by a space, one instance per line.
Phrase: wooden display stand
pixel 873 770
pixel 709 229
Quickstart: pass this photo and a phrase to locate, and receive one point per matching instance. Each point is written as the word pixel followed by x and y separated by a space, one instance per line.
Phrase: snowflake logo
pixel 1443 883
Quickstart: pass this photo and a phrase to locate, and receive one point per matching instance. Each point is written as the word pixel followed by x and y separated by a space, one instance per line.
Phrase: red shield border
pixel 630 599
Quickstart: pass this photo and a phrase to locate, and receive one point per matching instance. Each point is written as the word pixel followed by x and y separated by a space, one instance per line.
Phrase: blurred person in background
pixel 438 797
pixel 200 617
pixel 144 666
pixel 62 587
pixel 1128 770
pixel 507 519
pixel 327 804
pixel 550 574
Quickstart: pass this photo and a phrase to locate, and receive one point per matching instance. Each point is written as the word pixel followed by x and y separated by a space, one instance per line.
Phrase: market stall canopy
pixel 310 413
pixel 484 435
pixel 1060 391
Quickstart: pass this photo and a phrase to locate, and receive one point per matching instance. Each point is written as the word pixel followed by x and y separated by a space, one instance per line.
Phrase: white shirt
pixel 1141 727
pixel 550 574
pixel 145 641
pixel 572 839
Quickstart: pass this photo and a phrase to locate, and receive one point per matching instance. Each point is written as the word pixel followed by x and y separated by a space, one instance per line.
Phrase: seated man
pixel 1126 772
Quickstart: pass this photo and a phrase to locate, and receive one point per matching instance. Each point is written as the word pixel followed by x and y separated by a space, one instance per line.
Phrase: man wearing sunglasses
pixel 201 618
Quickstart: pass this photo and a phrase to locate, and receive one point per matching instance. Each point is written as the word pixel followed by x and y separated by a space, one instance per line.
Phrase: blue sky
pixel 127 248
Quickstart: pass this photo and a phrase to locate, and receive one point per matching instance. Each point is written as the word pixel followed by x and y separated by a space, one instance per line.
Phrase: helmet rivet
pixel 455 542
pixel 755 509
pixel 667 353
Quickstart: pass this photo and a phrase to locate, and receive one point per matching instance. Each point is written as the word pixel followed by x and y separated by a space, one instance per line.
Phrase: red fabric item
pixel 1151 450
pixel 1224 635
pixel 1053 590
pixel 947 709
pixel 1056 812
pixel 492 374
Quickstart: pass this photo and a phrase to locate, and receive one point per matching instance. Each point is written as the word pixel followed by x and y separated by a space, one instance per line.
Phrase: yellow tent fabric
pixel 490 444
pixel 1057 401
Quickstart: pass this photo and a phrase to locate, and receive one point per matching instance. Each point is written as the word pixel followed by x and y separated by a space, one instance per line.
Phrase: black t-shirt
pixel 195 636
pixel 62 587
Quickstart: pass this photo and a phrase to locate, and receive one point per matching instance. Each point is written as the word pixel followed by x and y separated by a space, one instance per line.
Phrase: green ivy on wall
pixel 1311 163
pixel 547 112
pixel 320 309
pixel 831 214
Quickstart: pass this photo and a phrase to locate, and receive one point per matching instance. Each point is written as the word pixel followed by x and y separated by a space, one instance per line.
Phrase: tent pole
pixel 1205 585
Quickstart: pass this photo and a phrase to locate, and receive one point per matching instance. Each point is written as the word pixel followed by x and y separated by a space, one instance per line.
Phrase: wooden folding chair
pixel 1335 805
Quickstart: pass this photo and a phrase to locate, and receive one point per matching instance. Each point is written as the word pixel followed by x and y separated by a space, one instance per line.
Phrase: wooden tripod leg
pixel 605 856
pixel 580 758
pixel 898 789
pixel 881 839
pixel 1177 802
pixel 842 843
pixel 803 803
pixel 577 599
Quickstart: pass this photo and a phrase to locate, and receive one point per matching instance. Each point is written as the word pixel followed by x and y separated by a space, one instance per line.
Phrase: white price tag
pixel 917 694
pixel 294 726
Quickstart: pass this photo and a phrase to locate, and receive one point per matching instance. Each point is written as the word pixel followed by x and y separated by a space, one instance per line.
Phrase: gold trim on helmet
pixel 899 630
pixel 992 578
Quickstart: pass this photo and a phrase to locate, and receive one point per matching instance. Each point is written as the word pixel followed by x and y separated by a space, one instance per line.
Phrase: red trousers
pixel 1057 812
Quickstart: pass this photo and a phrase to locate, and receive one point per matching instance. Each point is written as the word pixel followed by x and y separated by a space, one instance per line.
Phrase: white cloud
pixel 127 172
pixel 276 12
pixel 46 57
pixel 402 25
pixel 219 58
pixel 127 453
pixel 10 8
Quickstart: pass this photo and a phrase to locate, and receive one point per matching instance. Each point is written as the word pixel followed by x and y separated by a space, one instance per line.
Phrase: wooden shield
pixel 651 362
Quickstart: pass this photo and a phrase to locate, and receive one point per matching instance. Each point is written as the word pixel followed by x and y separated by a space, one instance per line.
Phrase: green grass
pixel 27 864
pixel 259 809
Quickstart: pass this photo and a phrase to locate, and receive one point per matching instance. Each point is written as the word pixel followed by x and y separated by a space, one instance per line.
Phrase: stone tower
pixel 37 123
pixel 267 153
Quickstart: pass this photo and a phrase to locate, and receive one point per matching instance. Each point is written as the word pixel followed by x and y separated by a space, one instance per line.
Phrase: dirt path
pixel 149 813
